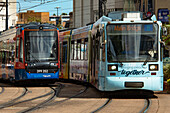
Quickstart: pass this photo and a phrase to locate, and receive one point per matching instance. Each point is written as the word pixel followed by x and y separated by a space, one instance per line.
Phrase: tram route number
pixel 42 71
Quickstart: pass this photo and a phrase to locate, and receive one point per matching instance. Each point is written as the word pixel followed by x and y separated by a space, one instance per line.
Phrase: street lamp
pixel 57 9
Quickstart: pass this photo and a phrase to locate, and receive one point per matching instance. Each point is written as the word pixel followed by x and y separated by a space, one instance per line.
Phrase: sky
pixel 66 6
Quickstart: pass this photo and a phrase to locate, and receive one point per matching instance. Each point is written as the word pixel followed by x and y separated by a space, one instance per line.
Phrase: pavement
pixel 87 102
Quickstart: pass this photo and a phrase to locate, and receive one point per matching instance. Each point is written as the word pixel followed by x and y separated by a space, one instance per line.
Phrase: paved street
pixel 69 102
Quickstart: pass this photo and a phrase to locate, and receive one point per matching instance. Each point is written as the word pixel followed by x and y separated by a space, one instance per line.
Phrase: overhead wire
pixel 2 7
pixel 49 2
pixel 86 7
pixel 33 6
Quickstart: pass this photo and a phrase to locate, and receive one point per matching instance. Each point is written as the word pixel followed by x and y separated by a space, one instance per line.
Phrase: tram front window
pixel 132 42
pixel 41 45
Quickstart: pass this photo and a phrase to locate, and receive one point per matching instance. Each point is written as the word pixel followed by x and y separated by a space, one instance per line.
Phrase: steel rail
pixel 82 91
pixel 51 98
pixel 101 107
pixel 146 106
pixel 3 89
pixel 15 99
pixel 12 104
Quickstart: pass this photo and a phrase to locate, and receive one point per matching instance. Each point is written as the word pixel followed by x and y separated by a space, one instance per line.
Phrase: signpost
pixel 163 15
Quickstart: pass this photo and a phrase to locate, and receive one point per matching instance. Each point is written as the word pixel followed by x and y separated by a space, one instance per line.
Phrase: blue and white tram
pixel 131 55
pixel 117 55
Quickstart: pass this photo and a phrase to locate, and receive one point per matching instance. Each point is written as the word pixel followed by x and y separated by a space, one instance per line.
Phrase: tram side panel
pixel 99 59
pixel 64 54
pixel 79 60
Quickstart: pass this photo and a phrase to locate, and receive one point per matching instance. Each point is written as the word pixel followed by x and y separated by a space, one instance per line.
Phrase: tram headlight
pixel 113 67
pixel 153 67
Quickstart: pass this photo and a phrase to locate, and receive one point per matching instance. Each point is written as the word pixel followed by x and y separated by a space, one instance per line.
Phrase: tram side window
pixel 72 50
pixel 60 53
pixel 13 53
pixel 21 50
pixel 86 49
pixel 7 57
pixel 78 49
pixel 82 50
pixel 0 57
pixel 4 57
pixel 64 52
pixel 75 50
pixel 103 39
pixel 97 48
pixel 17 47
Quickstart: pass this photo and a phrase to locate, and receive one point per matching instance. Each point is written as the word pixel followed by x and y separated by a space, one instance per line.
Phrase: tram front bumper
pixel 120 83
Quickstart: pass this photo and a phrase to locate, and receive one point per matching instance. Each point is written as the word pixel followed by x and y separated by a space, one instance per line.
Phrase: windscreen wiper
pixel 148 58
pixel 33 56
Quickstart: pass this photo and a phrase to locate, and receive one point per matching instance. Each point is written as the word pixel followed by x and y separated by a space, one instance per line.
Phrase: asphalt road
pixel 72 99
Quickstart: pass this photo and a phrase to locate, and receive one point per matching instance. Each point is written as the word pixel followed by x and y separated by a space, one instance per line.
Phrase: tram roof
pixel 8 35
pixel 37 25
pixel 102 19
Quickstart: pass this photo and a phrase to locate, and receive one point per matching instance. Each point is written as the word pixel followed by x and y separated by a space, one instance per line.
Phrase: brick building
pixel 30 16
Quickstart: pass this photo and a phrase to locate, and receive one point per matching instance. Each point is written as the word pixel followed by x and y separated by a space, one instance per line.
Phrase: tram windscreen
pixel 132 42
pixel 41 45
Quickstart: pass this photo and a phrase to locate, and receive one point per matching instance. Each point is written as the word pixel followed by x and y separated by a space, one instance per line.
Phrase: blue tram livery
pixel 32 54
pixel 115 55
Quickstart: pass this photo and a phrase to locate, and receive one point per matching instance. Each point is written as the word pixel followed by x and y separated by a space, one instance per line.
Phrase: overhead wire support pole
pixel 6 14
pixel 100 8
pixel 102 3
pixel 57 10
pixel 105 10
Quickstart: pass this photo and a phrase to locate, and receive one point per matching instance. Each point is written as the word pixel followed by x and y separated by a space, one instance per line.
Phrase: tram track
pixel 58 101
pixel 80 92
pixel 48 102
pixel 104 105
pixel 3 89
pixel 145 109
pixel 6 104
pixel 54 92
pixel 146 106
pixel 19 102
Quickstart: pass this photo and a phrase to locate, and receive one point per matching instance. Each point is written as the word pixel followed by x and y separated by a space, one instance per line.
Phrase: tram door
pixel 64 63
pixel 93 54
pixel 4 65
pixel 95 59
pixel 19 60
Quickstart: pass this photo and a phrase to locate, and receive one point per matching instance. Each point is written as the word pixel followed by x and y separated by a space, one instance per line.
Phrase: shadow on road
pixel 71 88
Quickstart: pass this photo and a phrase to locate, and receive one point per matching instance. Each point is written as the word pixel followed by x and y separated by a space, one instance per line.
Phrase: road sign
pixel 163 15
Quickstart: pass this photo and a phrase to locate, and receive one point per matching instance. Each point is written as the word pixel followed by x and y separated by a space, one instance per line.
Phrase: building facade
pixel 161 4
pixel 30 16
pixel 64 20
pixel 87 11
pixel 12 12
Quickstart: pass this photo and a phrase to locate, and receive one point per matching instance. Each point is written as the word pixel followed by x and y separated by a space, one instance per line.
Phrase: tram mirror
pixel 164 30
pixel 162 43
pixel 103 43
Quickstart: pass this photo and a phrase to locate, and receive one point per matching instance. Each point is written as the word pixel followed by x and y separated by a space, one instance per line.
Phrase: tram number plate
pixel 42 71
